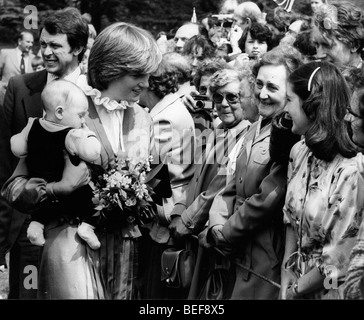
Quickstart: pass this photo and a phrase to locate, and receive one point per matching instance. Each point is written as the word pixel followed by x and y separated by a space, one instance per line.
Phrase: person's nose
pixel 48 51
pixel 144 83
pixel 263 94
pixel 194 62
pixel 180 43
pixel 224 103
pixel 285 108
pixel 255 44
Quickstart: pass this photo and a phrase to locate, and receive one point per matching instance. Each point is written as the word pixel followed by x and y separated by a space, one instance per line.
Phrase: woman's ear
pixel 249 22
pixel 59 112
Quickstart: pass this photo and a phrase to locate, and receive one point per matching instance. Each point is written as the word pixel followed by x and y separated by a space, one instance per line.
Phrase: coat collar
pixel 36 81
pixel 163 104
pixel 252 137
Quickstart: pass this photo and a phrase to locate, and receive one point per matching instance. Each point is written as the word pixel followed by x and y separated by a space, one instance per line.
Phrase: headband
pixel 311 78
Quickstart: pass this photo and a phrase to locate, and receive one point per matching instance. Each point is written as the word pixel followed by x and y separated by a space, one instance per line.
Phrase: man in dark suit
pixel 63 41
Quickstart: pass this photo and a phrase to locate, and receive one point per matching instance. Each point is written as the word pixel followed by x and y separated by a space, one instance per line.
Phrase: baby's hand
pixel 84 144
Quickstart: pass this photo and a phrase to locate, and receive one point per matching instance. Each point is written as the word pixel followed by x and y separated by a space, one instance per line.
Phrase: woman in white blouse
pixel 120 62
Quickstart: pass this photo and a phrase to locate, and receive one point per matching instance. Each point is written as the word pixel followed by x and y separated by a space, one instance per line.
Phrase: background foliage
pixel 153 15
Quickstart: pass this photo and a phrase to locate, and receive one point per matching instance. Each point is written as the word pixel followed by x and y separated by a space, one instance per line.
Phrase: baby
pixel 42 142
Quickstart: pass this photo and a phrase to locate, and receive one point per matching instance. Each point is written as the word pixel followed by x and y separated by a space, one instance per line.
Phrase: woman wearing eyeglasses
pixel 245 219
pixel 322 208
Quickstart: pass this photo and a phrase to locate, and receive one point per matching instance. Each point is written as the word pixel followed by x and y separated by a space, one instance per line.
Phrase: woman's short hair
pixel 119 50
pixel 181 65
pixel 223 77
pixel 165 80
pixel 342 20
pixel 69 21
pixel 207 68
pixel 325 96
pixel 286 56
pixel 259 32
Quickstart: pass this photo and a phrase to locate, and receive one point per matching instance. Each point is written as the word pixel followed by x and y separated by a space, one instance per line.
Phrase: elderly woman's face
pixel 331 50
pixel 354 117
pixel 270 90
pixel 128 88
pixel 229 112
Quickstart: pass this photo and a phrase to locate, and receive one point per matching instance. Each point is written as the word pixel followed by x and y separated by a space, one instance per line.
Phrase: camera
pixel 202 101
pixel 225 20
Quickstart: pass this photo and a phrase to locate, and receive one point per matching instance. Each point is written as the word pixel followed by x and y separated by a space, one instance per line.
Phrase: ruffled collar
pixel 109 104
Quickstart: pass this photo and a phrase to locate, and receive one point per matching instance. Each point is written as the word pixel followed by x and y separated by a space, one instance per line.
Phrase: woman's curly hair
pixel 342 20
pixel 164 81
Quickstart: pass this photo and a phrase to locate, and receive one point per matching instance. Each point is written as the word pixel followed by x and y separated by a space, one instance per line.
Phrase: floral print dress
pixel 322 206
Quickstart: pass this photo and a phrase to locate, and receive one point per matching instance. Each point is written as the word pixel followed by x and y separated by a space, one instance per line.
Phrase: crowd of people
pixel 253 122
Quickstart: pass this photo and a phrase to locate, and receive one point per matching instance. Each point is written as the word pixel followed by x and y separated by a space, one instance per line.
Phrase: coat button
pixel 240 180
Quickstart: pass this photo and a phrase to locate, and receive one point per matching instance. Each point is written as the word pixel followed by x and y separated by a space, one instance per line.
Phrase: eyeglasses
pixel 231 98
pixel 202 89
pixel 356 115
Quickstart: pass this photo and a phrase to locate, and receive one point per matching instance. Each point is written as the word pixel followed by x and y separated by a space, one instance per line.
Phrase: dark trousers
pixel 23 266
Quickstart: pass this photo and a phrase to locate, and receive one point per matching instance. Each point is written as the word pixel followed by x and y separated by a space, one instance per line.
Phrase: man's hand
pixel 2 268
pixel 178 229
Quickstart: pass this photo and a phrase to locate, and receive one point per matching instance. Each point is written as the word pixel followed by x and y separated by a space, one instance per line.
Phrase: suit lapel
pixel 32 102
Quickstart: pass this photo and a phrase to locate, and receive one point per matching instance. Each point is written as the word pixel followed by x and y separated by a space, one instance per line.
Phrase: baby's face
pixel 74 114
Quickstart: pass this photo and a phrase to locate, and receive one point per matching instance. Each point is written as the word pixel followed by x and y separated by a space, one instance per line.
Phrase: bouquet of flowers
pixel 123 194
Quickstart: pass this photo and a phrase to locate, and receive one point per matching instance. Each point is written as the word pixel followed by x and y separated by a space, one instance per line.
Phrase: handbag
pixel 215 285
pixel 177 267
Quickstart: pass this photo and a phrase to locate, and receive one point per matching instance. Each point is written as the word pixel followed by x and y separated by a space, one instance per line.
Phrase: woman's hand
pixel 178 229
pixel 202 239
pixel 73 177
pixel 189 102
pixel 288 277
